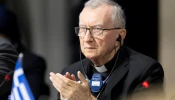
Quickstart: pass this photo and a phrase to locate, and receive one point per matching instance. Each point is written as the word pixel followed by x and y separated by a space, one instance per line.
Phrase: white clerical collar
pixel 101 69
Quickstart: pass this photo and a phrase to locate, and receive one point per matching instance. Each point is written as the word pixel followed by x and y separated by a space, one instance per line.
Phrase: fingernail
pixel 51 73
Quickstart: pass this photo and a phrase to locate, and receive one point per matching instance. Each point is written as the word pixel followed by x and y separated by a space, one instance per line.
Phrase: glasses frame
pixel 91 29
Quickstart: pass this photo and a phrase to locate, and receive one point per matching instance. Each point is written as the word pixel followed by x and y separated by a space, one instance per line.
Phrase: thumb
pixel 81 77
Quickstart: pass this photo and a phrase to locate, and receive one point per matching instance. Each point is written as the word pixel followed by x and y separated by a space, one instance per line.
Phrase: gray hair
pixel 118 16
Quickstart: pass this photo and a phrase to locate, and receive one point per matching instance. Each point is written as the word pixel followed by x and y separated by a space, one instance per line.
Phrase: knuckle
pixel 66 81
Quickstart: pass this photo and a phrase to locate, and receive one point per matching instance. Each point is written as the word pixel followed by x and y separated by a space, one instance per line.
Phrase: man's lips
pixel 89 48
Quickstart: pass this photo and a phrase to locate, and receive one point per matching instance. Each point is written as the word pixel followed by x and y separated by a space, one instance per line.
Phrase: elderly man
pixel 110 71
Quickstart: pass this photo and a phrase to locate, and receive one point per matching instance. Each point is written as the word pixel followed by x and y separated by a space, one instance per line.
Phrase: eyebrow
pixel 96 25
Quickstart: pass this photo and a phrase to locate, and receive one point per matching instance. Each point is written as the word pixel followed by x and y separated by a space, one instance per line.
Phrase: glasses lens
pixel 80 31
pixel 96 32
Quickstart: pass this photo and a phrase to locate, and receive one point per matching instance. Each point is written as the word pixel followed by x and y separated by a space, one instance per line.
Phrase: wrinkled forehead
pixel 96 16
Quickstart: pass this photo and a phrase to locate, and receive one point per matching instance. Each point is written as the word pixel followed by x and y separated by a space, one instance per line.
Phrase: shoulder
pixel 140 61
pixel 6 45
pixel 143 67
pixel 7 51
pixel 138 57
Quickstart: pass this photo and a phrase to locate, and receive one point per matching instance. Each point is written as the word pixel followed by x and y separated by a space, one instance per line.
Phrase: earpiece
pixel 119 38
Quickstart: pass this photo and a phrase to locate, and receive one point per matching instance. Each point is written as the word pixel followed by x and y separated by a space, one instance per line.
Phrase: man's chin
pixel 91 57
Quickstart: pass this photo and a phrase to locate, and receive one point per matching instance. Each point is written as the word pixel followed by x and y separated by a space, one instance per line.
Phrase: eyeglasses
pixel 95 32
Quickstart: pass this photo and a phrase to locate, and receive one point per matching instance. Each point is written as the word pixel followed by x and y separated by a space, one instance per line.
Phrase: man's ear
pixel 122 33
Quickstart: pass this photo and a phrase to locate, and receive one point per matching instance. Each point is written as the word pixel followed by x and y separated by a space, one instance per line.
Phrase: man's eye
pixel 97 29
pixel 82 28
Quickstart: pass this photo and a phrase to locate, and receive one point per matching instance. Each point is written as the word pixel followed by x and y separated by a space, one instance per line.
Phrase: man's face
pixel 97 47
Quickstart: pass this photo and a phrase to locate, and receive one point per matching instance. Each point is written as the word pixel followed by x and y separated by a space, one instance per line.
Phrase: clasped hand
pixel 69 88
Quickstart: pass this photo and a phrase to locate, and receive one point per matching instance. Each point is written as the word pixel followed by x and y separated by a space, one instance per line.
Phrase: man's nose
pixel 88 36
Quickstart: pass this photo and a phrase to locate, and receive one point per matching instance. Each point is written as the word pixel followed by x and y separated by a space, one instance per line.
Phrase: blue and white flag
pixel 20 88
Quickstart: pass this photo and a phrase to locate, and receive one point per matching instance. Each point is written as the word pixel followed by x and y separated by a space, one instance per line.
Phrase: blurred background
pixel 47 28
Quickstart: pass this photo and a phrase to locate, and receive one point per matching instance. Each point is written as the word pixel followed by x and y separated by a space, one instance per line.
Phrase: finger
pixel 73 77
pixel 56 87
pixel 59 81
pixel 68 75
pixel 52 73
pixel 56 82
pixel 51 79
pixel 81 77
pixel 52 76
pixel 65 80
pixel 62 91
